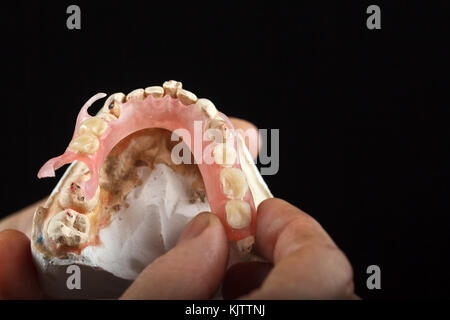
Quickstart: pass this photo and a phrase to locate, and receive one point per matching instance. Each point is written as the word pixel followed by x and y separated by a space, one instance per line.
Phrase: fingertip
pixel 274 205
pixel 242 124
pixel 10 234
pixel 273 216
pixel 303 254
pixel 196 226
pixel 18 279
pixel 192 269
pixel 14 247
pixel 282 227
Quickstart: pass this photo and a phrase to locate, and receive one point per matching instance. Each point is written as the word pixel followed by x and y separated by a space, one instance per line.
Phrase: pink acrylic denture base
pixel 166 113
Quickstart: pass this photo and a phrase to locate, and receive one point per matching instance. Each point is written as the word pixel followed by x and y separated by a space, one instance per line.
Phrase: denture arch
pixel 169 107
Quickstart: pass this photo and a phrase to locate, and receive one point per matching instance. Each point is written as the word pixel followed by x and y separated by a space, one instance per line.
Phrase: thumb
pixel 193 269
pixel 18 279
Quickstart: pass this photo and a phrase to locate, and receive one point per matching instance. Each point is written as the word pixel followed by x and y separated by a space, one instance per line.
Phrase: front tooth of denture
pixel 93 125
pixel 224 154
pixel 207 106
pixel 171 87
pixel 112 104
pixel 137 94
pixel 233 182
pixel 87 143
pixel 68 228
pixel 238 214
pixel 186 97
pixel 154 91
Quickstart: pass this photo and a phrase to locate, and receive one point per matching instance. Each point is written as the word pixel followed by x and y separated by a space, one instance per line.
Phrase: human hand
pixel 307 263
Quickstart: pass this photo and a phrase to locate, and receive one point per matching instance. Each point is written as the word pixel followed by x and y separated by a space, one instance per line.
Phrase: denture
pixel 117 156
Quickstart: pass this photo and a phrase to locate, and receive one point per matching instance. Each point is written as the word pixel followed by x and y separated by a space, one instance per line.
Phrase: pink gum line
pixel 167 113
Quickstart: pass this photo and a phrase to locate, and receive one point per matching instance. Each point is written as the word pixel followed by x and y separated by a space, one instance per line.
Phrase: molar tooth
pixel 93 125
pixel 207 106
pixel 171 87
pixel 154 91
pixel 233 182
pixel 137 94
pixel 224 154
pixel 186 97
pixel 81 224
pixel 69 228
pixel 238 214
pixel 87 143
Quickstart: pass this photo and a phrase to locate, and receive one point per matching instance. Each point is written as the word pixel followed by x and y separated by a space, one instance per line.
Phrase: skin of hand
pixel 303 261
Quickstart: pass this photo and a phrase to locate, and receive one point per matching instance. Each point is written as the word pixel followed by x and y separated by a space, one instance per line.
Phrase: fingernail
pixel 195 227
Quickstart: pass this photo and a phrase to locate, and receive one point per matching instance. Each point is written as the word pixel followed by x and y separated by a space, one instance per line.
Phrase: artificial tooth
pixel 81 223
pixel 224 154
pixel 238 214
pixel 119 97
pixel 87 143
pixel 93 125
pixel 186 97
pixel 171 87
pixel 154 91
pixel 112 104
pixel 68 228
pixel 137 94
pixel 106 116
pixel 216 130
pixel 207 106
pixel 233 182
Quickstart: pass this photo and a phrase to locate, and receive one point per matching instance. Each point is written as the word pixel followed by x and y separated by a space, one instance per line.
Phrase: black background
pixel 363 115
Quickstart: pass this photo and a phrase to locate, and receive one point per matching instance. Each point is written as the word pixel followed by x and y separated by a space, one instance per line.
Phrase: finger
pixel 253 272
pixel 308 265
pixel 251 135
pixel 193 269
pixel 18 279
pixel 21 220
